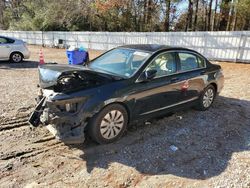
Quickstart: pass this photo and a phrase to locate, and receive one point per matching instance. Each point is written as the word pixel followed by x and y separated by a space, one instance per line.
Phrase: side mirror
pixel 149 74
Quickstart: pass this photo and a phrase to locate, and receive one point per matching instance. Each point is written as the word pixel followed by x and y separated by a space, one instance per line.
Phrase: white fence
pixel 224 46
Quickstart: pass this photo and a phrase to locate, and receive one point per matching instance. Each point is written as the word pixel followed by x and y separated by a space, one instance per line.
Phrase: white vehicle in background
pixel 13 50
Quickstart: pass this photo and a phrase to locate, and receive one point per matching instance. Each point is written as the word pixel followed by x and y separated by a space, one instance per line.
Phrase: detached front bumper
pixel 67 127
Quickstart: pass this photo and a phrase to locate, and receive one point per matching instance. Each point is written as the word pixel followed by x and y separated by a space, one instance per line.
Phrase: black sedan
pixel 126 84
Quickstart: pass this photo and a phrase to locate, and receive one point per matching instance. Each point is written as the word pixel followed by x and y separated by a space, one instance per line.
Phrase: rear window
pixel 190 61
pixel 4 40
pixel 10 40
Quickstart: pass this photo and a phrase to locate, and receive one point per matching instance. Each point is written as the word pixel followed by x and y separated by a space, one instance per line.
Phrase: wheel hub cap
pixel 208 98
pixel 16 57
pixel 111 124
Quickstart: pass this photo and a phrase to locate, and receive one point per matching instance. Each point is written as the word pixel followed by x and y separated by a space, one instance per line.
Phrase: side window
pixel 3 40
pixel 190 61
pixel 165 64
pixel 201 62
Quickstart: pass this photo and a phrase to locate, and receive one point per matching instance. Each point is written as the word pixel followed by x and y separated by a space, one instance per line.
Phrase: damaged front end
pixel 61 117
pixel 59 108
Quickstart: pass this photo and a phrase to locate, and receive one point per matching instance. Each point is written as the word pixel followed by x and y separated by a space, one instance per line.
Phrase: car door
pixel 163 91
pixel 191 68
pixel 5 48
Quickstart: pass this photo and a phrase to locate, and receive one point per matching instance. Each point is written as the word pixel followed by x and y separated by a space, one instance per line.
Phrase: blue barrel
pixel 77 57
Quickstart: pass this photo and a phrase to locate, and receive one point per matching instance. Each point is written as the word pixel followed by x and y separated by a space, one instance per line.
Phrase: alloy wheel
pixel 16 58
pixel 208 98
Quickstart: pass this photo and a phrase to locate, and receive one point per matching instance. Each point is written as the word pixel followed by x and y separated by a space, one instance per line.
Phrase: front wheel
pixel 206 99
pixel 109 124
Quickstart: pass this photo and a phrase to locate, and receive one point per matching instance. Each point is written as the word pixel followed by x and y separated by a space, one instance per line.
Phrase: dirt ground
pixel 211 149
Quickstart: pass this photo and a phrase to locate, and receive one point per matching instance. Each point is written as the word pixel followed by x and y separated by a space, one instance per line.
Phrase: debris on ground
pixel 173 148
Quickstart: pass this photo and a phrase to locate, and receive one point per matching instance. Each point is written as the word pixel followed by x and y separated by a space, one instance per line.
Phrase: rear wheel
pixel 16 57
pixel 109 124
pixel 206 99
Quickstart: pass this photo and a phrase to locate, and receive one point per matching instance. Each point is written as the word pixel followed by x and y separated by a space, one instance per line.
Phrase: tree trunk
pixel 149 13
pixel 204 16
pixel 2 7
pixel 246 24
pixel 235 16
pixel 168 3
pixel 186 26
pixel 196 15
pixel 224 14
pixel 231 12
pixel 215 15
pixel 235 22
pixel 189 16
pixel 145 11
pixel 209 16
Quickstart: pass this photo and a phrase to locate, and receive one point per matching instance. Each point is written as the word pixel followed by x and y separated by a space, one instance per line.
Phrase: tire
pixel 16 57
pixel 109 124
pixel 206 99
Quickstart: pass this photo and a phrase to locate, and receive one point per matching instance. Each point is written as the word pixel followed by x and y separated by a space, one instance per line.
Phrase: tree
pixel 189 19
pixel 225 8
pixel 196 15
pixel 243 12
pixel 2 7
pixel 125 15
pixel 214 26
pixel 235 16
pixel 209 15
pixel 168 6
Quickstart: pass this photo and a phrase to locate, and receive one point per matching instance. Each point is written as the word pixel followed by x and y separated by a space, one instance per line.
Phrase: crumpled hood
pixel 69 77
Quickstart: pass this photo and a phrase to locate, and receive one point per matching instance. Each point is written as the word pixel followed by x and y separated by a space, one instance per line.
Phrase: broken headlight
pixel 68 105
pixel 71 107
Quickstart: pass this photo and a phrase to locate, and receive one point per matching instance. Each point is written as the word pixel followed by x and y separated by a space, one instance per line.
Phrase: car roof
pixel 152 47
pixel 8 37
pixel 4 36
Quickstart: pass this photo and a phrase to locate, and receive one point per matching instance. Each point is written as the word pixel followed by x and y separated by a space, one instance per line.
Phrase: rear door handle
pixel 203 72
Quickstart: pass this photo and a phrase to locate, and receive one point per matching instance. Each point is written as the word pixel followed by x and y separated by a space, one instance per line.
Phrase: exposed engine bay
pixel 58 109
pixel 69 80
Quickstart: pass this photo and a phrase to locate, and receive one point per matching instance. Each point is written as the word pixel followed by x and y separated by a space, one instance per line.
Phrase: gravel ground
pixel 187 149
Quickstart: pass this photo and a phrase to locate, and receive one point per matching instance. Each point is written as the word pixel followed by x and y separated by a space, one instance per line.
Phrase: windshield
pixel 122 62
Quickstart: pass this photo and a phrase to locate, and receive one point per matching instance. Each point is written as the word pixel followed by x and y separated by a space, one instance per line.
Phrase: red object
pixel 41 57
pixel 185 86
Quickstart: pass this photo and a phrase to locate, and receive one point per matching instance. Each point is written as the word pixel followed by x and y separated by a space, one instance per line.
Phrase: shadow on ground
pixel 205 142
pixel 23 65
